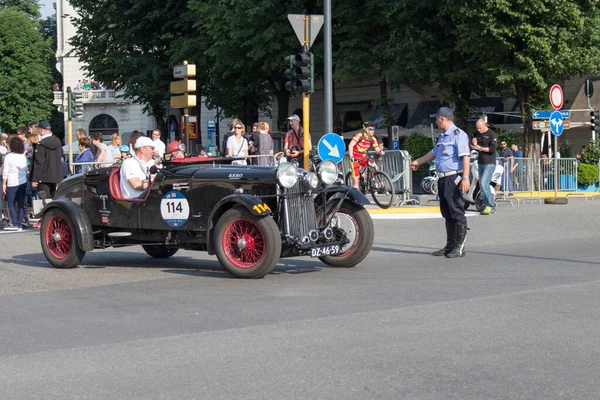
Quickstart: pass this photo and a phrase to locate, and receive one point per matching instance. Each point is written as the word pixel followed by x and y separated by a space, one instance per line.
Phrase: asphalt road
pixel 517 318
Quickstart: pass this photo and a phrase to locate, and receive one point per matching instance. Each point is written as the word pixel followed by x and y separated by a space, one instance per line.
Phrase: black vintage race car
pixel 249 216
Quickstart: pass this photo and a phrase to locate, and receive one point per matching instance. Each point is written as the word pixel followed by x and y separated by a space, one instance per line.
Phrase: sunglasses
pixel 238 127
pixel 371 129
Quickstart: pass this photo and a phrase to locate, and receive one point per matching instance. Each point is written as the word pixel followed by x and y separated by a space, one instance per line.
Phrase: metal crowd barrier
pixel 520 178
pixel 567 174
pixel 396 163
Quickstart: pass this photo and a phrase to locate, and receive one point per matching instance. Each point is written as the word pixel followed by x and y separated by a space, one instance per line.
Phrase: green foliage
pixel 29 7
pixel 417 145
pixel 25 85
pixel 591 154
pixel 509 137
pixel 244 45
pixel 587 174
pixel 128 45
pixel 566 149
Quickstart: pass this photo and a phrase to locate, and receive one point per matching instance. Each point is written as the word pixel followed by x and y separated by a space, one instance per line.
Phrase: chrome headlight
pixel 312 180
pixel 328 172
pixel 286 175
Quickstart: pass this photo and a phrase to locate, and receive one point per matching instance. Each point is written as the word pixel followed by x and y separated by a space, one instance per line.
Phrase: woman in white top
pixel 14 182
pixel 237 145
pixel 104 156
pixel 113 147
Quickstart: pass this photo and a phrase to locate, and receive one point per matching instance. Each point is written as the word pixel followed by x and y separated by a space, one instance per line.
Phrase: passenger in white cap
pixel 135 175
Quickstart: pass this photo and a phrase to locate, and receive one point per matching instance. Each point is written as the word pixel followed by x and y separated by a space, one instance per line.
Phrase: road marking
pixel 417 215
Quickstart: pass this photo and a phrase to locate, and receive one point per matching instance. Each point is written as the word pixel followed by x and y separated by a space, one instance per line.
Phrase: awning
pixel 486 105
pixel 400 111
pixel 354 106
pixel 421 114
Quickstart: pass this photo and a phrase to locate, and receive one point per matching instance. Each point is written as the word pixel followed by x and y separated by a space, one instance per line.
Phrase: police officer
pixel 452 157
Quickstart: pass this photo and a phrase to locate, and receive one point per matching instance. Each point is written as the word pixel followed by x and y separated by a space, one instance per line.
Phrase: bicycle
pixel 376 182
pixel 429 184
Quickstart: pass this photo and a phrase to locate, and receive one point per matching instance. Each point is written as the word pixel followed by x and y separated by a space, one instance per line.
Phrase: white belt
pixel 449 173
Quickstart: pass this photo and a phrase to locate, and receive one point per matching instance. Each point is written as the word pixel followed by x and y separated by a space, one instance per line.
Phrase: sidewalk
pixel 429 204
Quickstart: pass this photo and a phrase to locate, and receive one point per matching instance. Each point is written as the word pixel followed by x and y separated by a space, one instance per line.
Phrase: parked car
pixel 248 216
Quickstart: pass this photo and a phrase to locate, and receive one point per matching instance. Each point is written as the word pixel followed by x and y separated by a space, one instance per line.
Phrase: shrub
pixel 566 149
pixel 591 154
pixel 587 174
pixel 418 145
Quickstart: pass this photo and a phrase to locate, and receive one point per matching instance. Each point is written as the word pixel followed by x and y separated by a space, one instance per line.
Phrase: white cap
pixel 143 141
pixel 294 116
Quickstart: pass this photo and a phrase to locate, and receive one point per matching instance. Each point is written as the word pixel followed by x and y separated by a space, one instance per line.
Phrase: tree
pixel 128 45
pixel 29 7
pixel 531 45
pixel 25 82
pixel 245 43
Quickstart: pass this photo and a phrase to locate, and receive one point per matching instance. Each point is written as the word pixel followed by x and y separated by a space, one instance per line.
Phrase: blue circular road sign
pixel 557 125
pixel 331 147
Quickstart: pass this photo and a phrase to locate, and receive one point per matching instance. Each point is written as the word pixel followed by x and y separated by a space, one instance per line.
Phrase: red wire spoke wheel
pixel 59 240
pixel 247 246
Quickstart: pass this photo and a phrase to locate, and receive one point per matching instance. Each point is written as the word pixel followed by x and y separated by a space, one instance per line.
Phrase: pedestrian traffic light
pixel 71 105
pixel 78 105
pixel 289 73
pixel 595 120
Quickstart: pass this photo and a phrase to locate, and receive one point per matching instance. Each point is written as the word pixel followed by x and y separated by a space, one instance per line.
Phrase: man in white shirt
pixel 159 146
pixel 135 177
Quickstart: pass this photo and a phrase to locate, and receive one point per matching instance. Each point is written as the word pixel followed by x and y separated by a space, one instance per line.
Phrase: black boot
pixel 449 240
pixel 460 234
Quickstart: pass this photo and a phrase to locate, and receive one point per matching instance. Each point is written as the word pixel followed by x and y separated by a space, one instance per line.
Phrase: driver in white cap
pixel 135 175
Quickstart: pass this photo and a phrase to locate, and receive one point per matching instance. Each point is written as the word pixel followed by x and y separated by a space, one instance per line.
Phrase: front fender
pixel 252 203
pixel 352 194
pixel 82 223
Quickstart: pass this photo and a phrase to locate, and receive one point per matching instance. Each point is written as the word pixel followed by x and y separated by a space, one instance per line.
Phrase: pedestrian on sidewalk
pixel 453 162
pixel 14 182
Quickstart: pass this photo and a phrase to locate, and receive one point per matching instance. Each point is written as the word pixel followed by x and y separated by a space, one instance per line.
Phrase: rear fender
pixel 83 227
pixel 252 203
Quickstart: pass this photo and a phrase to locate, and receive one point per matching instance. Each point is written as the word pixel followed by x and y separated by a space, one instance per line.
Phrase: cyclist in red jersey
pixel 358 147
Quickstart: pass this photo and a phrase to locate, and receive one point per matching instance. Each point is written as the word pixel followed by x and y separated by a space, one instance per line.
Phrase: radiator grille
pixel 301 210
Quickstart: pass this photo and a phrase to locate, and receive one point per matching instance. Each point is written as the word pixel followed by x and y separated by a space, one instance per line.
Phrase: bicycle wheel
pixel 382 189
pixel 348 179
pixel 434 186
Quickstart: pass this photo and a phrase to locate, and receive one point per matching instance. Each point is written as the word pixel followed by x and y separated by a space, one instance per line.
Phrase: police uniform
pixel 452 145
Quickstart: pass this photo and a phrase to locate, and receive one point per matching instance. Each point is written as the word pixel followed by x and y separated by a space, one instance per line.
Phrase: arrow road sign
pixel 331 147
pixel 545 114
pixel 545 125
pixel 556 123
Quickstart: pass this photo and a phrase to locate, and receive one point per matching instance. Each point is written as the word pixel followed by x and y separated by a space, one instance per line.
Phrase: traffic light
pixel 302 69
pixel 300 74
pixel 595 120
pixel 78 104
pixel 71 105
pixel 289 73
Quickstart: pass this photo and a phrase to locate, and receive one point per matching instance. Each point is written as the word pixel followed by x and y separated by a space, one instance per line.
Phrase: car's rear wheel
pixel 59 240
pixel 159 251
pixel 247 246
pixel 353 222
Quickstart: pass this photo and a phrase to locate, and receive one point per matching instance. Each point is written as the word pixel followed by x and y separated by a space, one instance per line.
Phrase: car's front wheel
pixel 159 251
pixel 353 222
pixel 247 246
pixel 59 240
